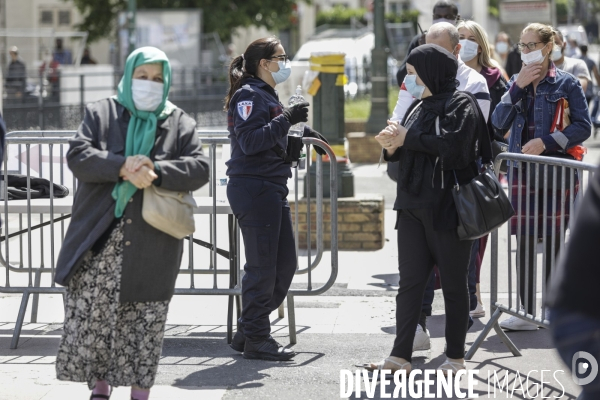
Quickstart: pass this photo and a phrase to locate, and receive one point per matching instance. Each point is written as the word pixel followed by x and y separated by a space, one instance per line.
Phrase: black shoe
pixel 266 349
pixel 238 341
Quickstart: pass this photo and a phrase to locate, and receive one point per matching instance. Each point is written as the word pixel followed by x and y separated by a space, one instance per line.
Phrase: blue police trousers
pixel 263 213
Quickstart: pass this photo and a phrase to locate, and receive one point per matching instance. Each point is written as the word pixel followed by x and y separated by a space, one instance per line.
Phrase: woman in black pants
pixel 429 165
pixel 257 190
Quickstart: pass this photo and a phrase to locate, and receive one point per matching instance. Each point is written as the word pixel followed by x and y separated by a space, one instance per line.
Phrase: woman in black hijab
pixel 429 165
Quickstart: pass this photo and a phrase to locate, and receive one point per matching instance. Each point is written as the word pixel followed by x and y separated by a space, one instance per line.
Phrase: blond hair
pixel 485 57
pixel 545 32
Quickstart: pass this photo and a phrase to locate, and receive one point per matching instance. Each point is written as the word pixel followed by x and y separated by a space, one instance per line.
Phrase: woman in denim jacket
pixel 528 109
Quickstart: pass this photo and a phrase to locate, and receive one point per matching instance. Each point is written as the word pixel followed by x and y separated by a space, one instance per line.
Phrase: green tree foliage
pixel 340 15
pixel 221 16
pixel 404 16
pixel 494 8
pixel 562 11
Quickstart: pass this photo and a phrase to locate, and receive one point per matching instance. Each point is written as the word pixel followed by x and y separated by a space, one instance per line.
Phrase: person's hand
pixel 391 128
pixel 534 147
pixel 391 142
pixel 296 113
pixel 134 163
pixel 312 133
pixel 141 178
pixel 528 74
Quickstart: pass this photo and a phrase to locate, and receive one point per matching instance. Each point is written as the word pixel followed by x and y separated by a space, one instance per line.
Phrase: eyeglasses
pixel 282 57
pixel 531 45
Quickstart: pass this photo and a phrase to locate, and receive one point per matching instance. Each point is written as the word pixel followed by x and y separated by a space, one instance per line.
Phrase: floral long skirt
pixel 103 339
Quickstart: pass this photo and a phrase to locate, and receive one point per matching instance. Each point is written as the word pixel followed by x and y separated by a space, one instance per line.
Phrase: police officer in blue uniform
pixel 257 190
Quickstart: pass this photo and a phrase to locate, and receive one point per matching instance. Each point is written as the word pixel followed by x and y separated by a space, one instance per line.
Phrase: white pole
pixel 480 15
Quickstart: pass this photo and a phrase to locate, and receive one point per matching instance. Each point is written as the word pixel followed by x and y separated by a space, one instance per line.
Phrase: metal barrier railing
pixel 37 253
pixel 544 191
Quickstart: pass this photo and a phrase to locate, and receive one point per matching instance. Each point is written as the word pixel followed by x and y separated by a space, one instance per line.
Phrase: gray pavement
pixel 352 323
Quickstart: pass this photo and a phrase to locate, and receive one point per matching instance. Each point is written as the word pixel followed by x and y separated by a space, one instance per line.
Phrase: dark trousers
pixel 473 275
pixel 526 267
pixel 426 308
pixel 264 216
pixel 419 248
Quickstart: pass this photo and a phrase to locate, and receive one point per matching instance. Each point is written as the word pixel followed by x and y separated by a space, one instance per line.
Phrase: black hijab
pixel 437 68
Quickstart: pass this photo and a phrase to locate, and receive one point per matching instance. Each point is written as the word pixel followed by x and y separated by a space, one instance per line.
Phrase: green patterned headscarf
pixel 141 131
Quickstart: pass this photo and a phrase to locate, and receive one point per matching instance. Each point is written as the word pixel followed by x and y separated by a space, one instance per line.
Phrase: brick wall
pixel 363 148
pixel 355 125
pixel 360 222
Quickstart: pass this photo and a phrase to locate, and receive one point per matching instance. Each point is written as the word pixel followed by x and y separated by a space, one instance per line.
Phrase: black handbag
pixel 481 205
pixel 553 170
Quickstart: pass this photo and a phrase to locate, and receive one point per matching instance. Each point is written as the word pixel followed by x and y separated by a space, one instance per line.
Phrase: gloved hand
pixel 296 113
pixel 310 132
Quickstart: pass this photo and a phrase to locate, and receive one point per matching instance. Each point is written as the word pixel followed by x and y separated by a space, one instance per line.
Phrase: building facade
pixel 33 26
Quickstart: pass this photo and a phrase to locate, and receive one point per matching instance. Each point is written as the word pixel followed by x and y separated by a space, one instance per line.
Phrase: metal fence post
pixel 81 94
pixel 41 103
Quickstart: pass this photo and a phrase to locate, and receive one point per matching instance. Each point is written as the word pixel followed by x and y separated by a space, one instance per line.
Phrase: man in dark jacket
pixel 443 11
pixel 513 62
pixel 16 78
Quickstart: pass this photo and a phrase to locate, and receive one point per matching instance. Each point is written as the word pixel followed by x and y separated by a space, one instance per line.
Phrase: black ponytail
pixel 246 65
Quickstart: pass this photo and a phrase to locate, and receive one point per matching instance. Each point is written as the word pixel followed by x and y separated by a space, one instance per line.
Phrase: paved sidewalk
pixel 351 324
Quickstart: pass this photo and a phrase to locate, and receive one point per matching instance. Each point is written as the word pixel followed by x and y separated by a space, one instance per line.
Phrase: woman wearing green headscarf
pixel 119 271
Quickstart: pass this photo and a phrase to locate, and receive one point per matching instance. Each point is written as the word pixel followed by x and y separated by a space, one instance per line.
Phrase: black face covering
pixel 436 67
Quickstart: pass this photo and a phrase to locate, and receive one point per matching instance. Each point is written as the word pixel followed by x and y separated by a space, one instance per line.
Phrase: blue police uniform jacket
pixel 255 123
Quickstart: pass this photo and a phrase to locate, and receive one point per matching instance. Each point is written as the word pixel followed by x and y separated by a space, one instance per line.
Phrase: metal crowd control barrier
pixel 547 193
pixel 37 251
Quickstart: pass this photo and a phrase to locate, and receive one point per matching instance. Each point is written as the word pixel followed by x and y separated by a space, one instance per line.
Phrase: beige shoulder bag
pixel 169 211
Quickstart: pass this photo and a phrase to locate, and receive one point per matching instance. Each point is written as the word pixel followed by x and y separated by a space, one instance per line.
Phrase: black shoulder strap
pixel 485 145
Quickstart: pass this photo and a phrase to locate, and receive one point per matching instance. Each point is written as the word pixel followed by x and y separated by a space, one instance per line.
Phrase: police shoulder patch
pixel 244 109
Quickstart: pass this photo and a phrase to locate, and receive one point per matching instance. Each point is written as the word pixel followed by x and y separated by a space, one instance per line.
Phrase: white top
pixel 469 81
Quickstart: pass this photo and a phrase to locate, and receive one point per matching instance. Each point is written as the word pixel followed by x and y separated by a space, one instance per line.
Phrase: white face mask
pixel 147 95
pixel 533 57
pixel 556 53
pixel 468 50
pixel 502 47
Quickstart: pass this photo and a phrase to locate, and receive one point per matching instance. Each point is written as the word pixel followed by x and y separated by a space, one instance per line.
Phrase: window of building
pixel 64 17
pixel 46 17
pixel 397 6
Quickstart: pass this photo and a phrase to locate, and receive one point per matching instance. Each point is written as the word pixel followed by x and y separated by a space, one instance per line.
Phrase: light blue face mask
pixel 412 87
pixel 285 70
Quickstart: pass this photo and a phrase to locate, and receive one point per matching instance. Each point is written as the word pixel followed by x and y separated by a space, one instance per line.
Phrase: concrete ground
pixel 353 323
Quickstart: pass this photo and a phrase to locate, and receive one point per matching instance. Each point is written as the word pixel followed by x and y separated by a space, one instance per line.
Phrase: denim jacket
pixel 511 112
